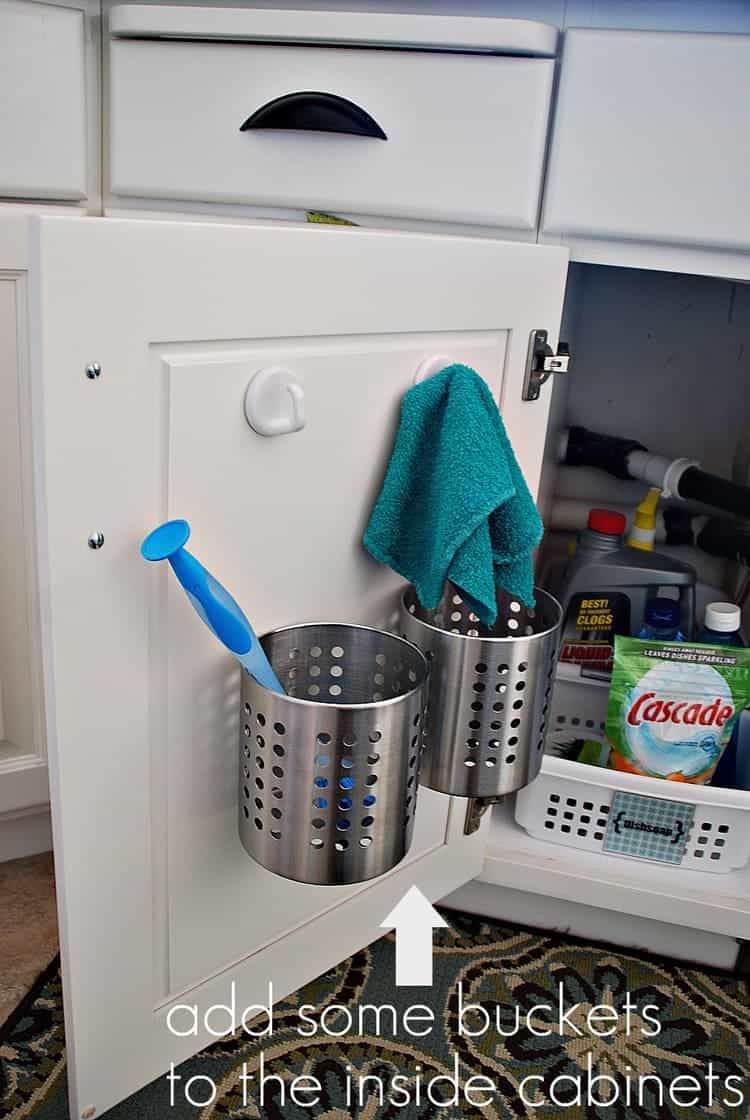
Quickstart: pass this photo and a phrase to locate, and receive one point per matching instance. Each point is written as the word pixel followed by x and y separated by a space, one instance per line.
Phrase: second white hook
pixel 430 366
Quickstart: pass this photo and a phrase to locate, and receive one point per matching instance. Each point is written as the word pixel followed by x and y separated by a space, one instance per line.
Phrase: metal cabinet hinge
pixel 542 362
pixel 475 810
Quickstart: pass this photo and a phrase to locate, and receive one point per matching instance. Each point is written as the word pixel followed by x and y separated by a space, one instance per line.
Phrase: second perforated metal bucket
pixel 329 772
pixel 489 691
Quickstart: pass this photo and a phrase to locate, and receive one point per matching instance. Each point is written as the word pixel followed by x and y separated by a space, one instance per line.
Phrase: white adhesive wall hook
pixel 432 365
pixel 275 402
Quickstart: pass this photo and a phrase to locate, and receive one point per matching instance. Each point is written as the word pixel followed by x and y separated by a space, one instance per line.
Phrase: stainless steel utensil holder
pixel 489 691
pixel 329 772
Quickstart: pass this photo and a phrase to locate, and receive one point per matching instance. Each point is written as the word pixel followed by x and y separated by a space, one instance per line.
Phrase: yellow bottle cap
pixel 644 522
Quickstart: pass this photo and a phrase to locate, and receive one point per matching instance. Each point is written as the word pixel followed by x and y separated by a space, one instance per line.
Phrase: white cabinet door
pixel 42 102
pixel 650 144
pixel 158 900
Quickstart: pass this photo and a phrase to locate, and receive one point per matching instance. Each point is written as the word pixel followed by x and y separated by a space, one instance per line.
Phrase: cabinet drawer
pixel 42 102
pixel 650 141
pixel 465 133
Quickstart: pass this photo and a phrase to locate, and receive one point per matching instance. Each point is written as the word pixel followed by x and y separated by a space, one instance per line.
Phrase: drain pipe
pixel 676 478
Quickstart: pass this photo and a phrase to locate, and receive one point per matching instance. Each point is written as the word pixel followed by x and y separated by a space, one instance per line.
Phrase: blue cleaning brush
pixel 213 603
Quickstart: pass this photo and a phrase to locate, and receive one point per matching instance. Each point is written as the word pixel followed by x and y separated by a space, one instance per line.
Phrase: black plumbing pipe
pixel 699 486
pixel 592 449
pixel 615 455
pixel 728 539
pixel 678 525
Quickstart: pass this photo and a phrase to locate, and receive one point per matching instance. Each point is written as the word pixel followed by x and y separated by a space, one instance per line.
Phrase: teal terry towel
pixel 454 504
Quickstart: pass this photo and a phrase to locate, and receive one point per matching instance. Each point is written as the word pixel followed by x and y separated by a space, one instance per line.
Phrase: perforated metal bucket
pixel 489 691
pixel 328 773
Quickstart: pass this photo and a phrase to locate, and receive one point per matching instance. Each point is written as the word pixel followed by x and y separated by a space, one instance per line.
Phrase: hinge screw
pixel 96 540
pixel 93 370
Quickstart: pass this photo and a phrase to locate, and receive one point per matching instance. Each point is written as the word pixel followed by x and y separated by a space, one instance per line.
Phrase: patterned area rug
pixel 683 1048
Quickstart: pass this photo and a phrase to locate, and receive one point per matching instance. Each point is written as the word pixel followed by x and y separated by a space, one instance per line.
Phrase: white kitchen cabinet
pixel 50 127
pixel 457 127
pixel 650 160
pixel 158 900
pixel 648 164
pixel 24 821
pixel 49 111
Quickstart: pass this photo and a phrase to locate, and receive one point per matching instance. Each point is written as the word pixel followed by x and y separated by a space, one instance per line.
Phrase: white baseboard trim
pixel 628 931
pixel 25 832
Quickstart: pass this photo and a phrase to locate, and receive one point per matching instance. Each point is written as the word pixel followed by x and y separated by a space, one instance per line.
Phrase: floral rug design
pixel 484 973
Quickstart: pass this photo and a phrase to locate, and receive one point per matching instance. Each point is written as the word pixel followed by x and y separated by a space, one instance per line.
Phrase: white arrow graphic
pixel 413 919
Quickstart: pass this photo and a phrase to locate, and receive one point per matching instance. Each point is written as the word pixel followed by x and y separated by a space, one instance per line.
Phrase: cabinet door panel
pixel 42 94
pixel 297 506
pixel 157 896
pixel 23 761
pixel 650 140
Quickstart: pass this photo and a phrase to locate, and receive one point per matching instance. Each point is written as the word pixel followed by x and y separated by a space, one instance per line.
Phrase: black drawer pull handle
pixel 315 112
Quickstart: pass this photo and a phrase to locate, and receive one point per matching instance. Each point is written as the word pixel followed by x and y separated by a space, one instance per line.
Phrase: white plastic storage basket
pixel 570 802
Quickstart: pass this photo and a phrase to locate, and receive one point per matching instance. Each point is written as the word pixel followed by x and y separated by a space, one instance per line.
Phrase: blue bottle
pixel 661 622
pixel 721 627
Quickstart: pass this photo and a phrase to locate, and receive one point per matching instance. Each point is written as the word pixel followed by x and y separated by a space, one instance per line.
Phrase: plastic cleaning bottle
pixel 721 627
pixel 661 621
pixel 607 586
pixel 643 530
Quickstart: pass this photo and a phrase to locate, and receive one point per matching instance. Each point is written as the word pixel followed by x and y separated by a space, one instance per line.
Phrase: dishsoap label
pixel 591 622
pixel 648 828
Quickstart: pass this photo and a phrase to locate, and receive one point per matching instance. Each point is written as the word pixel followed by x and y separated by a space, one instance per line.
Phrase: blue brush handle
pixel 213 603
pixel 216 606
pixel 223 615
